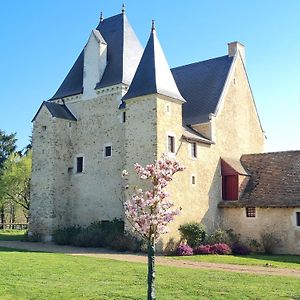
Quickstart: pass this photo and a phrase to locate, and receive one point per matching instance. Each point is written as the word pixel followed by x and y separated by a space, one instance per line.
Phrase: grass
pixel 33 275
pixel 11 235
pixel 279 261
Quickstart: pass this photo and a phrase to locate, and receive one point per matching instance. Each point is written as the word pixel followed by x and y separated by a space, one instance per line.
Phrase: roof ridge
pixel 199 62
pixel 272 152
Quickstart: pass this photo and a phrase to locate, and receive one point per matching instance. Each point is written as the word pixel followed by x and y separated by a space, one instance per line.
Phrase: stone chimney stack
pixel 235 47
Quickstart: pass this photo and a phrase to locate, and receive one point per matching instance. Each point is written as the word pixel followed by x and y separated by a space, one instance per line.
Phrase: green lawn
pixel 33 275
pixel 11 235
pixel 277 261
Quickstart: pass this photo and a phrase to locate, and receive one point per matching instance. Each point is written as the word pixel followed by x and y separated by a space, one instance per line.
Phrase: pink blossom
pixel 151 211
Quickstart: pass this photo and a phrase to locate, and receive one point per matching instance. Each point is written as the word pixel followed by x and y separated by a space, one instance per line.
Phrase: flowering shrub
pixel 220 248
pixel 202 249
pixel 240 250
pixel 184 250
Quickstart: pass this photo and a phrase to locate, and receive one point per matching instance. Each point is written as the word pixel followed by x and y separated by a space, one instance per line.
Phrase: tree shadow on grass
pixel 295 259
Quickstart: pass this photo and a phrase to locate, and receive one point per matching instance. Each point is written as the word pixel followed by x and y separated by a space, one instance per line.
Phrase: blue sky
pixel 40 41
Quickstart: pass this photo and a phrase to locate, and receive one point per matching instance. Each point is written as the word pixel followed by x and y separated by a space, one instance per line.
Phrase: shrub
pixel 126 242
pixel 220 248
pixel 66 236
pixel 240 249
pixel 269 242
pixel 202 249
pixel 184 250
pixel 219 236
pixel 194 233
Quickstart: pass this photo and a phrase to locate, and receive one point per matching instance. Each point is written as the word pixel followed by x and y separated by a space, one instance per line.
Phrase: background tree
pixel 149 212
pixel 7 147
pixel 15 182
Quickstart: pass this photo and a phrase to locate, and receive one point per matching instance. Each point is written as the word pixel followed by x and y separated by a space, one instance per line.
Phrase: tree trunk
pixel 151 271
pixel 2 216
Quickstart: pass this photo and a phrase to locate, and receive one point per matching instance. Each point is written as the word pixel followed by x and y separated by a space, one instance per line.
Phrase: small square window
pixel 194 150
pixel 298 218
pixel 193 180
pixel 44 127
pixel 108 151
pixel 79 164
pixel 123 116
pixel 171 144
pixel 250 212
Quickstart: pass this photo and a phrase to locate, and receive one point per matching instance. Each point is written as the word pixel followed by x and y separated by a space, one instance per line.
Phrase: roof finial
pixel 153 25
pixel 123 8
pixel 101 17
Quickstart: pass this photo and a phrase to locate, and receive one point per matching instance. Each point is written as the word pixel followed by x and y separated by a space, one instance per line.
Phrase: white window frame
pixel 172 154
pixel 191 150
pixel 75 164
pixel 104 150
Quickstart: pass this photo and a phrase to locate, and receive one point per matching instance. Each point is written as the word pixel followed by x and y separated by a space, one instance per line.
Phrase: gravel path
pixel 160 260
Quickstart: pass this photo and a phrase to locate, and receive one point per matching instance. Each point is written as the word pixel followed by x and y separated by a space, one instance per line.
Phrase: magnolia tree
pixel 150 211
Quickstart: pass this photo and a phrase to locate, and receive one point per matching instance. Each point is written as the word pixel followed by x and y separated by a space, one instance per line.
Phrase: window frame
pixel 297 219
pixel 76 164
pixel 251 212
pixel 173 145
pixel 194 150
pixel 104 151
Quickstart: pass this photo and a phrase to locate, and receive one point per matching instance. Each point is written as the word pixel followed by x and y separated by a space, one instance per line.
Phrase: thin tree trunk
pixel 2 216
pixel 151 271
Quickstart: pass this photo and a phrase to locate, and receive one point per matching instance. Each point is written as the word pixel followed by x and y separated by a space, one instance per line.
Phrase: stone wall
pixel 281 222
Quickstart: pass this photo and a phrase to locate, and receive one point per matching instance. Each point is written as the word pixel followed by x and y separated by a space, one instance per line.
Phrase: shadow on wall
pixel 212 218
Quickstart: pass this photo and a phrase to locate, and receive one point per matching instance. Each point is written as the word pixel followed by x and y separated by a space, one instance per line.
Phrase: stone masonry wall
pixel 281 222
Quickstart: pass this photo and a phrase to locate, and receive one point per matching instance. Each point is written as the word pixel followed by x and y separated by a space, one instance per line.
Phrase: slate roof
pixel 73 83
pixel 190 134
pixel 124 52
pixel 274 180
pixel 153 75
pixel 56 110
pixel 201 85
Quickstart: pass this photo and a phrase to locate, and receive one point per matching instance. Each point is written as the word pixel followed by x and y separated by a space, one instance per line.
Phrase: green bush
pixel 219 236
pixel 193 233
pixel 108 234
pixel 66 236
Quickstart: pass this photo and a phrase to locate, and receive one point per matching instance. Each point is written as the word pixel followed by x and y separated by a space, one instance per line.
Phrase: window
pixel 123 116
pixel 298 218
pixel 171 144
pixel 44 127
pixel 168 109
pixel 107 151
pixel 250 212
pixel 193 180
pixel 79 164
pixel 194 150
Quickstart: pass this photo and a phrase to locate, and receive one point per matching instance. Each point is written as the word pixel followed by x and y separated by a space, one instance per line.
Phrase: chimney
pixel 235 47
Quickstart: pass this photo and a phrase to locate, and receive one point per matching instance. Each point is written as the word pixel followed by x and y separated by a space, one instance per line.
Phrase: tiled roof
pixel 274 180
pixel 201 85
pixel 56 110
pixel 153 75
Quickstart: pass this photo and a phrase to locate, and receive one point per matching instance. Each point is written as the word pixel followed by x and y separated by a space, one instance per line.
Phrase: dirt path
pixel 161 260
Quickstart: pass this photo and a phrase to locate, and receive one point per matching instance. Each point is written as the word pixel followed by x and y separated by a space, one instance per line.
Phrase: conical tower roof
pixel 153 75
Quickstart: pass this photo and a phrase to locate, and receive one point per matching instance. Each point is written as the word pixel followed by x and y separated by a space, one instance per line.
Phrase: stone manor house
pixel 121 103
